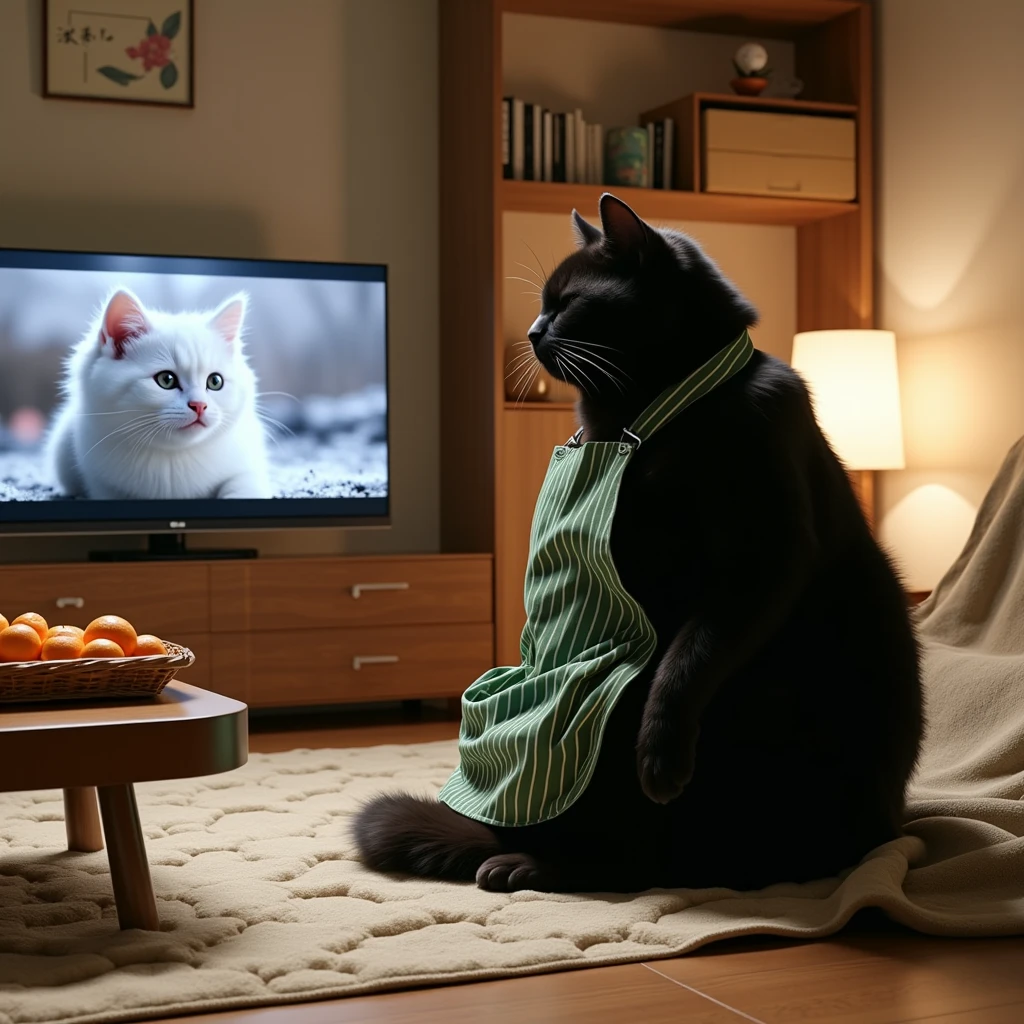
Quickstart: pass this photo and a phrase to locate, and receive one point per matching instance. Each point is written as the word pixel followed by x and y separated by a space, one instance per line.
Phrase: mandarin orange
pixel 113 627
pixel 19 642
pixel 149 644
pixel 66 631
pixel 101 648
pixel 61 647
pixel 3 623
pixel 36 621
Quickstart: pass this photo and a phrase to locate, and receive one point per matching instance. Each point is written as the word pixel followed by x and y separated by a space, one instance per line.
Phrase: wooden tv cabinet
pixel 287 632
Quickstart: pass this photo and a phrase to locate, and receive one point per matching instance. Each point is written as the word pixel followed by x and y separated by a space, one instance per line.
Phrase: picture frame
pixel 109 51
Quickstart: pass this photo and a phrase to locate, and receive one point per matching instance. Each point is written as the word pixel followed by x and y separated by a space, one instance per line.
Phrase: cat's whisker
pixel 525 390
pixel 526 373
pixel 530 270
pixel 521 361
pixel 535 291
pixel 612 377
pixel 566 366
pixel 543 272
pixel 131 425
pixel 585 344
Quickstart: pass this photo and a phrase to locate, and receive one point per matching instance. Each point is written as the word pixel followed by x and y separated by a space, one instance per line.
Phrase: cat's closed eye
pixel 167 380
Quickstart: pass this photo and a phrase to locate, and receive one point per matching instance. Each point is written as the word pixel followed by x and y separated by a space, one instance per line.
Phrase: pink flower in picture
pixel 154 51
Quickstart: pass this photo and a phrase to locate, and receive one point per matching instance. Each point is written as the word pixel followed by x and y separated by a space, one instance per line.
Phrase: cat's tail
pixel 398 832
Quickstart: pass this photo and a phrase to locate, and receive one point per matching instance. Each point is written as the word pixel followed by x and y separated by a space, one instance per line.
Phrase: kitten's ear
pixel 123 319
pixel 622 227
pixel 585 232
pixel 228 317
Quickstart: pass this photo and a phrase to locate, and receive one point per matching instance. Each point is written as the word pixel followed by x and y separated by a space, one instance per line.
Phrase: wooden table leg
pixel 82 819
pixel 129 869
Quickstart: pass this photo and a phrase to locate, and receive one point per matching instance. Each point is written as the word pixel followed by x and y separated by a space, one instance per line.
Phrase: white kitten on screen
pixel 160 406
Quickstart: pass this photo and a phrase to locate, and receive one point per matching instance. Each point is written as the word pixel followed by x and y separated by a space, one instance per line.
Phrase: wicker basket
pixel 92 678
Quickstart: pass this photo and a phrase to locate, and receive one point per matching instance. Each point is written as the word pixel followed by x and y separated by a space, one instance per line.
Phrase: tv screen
pixel 153 393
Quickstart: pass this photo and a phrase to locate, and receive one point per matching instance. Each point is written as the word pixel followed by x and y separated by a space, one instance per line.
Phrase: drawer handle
pixel 373 659
pixel 360 588
pixel 785 187
pixel 70 602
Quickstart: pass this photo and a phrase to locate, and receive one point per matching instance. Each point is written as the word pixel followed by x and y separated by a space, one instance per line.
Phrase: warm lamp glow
pixel 853 381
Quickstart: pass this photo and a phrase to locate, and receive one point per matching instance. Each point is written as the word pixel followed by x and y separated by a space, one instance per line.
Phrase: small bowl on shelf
pixel 747 85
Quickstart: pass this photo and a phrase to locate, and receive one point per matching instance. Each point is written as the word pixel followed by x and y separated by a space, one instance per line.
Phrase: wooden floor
pixel 874 973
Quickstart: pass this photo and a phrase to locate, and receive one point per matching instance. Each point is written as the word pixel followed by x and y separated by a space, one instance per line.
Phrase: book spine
pixel 549 150
pixel 538 142
pixel 667 176
pixel 570 147
pixel 558 147
pixel 518 139
pixel 528 142
pixel 581 147
pixel 649 179
pixel 506 137
pixel 658 161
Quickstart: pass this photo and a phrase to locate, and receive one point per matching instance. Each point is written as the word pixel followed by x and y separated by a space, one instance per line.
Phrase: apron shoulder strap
pixel 671 402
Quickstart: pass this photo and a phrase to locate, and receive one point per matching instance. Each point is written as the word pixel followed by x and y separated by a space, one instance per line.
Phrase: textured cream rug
pixel 261 899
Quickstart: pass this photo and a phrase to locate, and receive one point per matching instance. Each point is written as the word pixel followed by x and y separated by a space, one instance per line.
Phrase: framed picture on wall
pixel 120 50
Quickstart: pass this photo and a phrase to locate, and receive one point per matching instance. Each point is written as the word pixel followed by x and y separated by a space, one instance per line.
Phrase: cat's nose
pixel 198 408
pixel 539 328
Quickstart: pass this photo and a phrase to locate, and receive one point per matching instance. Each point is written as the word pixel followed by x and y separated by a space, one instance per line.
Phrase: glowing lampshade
pixel 856 390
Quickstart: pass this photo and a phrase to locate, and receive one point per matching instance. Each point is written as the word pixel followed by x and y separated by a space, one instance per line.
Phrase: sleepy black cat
pixel 767 730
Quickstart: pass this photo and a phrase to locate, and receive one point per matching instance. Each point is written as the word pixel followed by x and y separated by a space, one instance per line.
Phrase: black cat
pixel 771 736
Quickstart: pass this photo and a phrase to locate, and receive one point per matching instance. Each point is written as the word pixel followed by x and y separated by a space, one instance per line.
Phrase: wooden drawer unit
pixel 764 153
pixel 169 600
pixel 378 663
pixel 369 591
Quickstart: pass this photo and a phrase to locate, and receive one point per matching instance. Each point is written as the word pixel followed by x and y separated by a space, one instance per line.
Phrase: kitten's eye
pixel 167 380
pixel 214 382
pixel 564 301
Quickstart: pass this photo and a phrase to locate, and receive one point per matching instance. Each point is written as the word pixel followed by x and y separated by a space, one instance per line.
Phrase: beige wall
pixel 314 136
pixel 950 261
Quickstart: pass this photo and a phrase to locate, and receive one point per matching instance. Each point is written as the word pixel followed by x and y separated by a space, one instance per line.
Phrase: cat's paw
pixel 510 872
pixel 664 765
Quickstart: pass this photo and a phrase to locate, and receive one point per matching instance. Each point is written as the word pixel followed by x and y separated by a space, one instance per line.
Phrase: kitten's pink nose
pixel 198 408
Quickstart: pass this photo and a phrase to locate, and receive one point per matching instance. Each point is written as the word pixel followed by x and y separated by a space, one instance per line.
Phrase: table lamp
pixel 856 392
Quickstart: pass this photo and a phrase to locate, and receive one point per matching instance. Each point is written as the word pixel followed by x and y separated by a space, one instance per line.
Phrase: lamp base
pixel 863 481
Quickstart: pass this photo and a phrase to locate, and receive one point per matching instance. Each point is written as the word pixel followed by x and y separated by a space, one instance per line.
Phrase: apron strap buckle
pixel 574 441
pixel 627 433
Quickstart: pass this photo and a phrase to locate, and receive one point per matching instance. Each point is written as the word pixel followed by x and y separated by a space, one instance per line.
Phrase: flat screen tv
pixel 165 395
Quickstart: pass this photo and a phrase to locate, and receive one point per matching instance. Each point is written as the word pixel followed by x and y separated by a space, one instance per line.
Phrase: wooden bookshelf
pixel 494 452
pixel 671 204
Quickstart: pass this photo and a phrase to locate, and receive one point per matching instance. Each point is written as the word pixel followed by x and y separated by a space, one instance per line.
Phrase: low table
pixel 101 747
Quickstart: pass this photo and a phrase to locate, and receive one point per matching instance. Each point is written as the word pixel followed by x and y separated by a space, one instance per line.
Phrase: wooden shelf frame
pixel 492 454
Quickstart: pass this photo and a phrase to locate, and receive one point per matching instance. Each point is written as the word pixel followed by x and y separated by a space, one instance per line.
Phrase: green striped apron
pixel 531 734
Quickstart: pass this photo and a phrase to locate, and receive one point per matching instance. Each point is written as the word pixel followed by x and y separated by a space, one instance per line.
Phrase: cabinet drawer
pixel 767 175
pixel 753 131
pixel 169 600
pixel 368 592
pixel 363 665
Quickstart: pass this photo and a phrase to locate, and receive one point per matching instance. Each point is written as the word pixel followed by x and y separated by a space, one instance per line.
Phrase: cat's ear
pixel 622 227
pixel 585 232
pixel 123 319
pixel 229 316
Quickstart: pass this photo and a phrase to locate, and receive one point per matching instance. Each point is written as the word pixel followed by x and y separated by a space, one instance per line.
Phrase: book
pixel 658 156
pixel 669 152
pixel 570 147
pixel 518 140
pixel 538 142
pixel 650 154
pixel 528 142
pixel 548 148
pixel 506 137
pixel 558 147
pixel 581 147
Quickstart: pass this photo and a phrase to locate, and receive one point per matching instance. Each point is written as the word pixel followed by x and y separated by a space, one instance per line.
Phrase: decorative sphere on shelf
pixel 751 58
